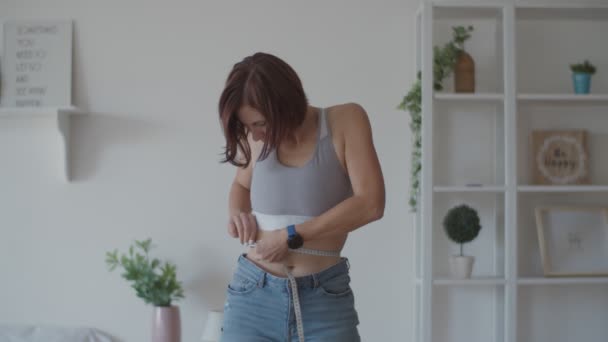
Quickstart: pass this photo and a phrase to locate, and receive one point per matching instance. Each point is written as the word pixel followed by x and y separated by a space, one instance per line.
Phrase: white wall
pixel 146 157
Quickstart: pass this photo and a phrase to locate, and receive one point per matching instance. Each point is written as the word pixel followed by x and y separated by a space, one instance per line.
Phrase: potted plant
pixel 464 69
pixel 461 225
pixel 156 284
pixel 581 76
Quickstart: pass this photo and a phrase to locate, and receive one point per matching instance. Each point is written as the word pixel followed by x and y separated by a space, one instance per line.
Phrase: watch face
pixel 295 242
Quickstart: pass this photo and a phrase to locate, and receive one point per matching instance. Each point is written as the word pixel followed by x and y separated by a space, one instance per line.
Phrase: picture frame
pixel 560 157
pixel 36 63
pixel 573 240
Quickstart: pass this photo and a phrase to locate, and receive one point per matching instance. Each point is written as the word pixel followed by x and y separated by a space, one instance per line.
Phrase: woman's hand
pixel 273 247
pixel 243 226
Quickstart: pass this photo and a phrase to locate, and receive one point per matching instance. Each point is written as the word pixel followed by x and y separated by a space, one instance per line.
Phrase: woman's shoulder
pixel 346 108
pixel 347 117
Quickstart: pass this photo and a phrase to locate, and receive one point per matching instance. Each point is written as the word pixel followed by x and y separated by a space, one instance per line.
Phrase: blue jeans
pixel 259 307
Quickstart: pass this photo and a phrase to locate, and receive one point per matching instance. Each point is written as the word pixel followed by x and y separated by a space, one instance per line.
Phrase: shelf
pixel 469 6
pixel 575 98
pixel 61 117
pixel 476 125
pixel 562 188
pixel 470 282
pixel 475 188
pixel 548 40
pixel 561 7
pixel 475 97
pixel 466 11
pixel 20 112
pixel 475 281
pixel 562 281
pixel 485 46
pixel 582 12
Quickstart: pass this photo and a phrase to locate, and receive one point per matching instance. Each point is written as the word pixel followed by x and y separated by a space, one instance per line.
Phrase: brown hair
pixel 269 85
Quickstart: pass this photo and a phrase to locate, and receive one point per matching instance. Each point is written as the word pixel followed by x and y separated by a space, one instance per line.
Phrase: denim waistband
pixel 250 270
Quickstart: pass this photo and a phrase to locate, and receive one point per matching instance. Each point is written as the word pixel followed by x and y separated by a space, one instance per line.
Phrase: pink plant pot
pixel 166 324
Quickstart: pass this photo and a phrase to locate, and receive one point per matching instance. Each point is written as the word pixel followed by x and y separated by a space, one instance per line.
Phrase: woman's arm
pixel 367 203
pixel 242 224
pixel 239 198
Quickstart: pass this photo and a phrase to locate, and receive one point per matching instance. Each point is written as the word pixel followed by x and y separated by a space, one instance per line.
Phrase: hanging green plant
pixel 444 59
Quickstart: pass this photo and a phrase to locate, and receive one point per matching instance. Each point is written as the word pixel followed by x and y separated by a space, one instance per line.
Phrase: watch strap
pixel 291 231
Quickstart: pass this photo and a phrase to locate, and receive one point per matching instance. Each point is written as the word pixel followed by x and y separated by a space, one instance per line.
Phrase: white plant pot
pixel 461 267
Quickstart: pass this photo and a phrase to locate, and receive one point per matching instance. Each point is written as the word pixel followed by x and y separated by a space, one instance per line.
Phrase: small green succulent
pixel 584 68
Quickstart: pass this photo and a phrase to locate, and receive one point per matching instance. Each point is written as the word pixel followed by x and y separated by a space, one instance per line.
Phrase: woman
pixel 306 177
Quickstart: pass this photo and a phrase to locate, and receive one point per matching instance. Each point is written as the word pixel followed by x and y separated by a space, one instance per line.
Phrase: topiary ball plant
pixel 461 224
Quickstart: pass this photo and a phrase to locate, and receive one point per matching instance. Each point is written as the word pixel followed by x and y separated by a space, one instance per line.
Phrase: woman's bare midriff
pixel 300 264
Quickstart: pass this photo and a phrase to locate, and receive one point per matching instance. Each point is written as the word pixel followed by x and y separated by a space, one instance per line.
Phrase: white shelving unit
pixel 62 119
pixel 469 97
pixel 562 281
pixel 476 151
pixel 563 188
pixel 465 282
pixel 481 188
pixel 590 98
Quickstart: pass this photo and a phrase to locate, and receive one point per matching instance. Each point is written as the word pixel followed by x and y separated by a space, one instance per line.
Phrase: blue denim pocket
pixel 338 286
pixel 241 285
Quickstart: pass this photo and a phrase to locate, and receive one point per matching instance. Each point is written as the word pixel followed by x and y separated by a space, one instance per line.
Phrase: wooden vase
pixel 464 73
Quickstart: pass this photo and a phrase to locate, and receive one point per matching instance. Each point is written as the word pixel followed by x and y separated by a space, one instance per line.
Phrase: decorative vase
pixel 166 324
pixel 461 266
pixel 582 82
pixel 464 73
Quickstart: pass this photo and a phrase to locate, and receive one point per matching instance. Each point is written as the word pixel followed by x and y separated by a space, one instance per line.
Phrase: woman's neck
pixel 307 127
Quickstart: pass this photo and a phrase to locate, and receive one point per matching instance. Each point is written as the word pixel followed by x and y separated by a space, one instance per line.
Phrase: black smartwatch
pixel 294 240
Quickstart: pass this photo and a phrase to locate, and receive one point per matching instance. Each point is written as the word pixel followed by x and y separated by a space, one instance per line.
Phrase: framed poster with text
pixel 36 64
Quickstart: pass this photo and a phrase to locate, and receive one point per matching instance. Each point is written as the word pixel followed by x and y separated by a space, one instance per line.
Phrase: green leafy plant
pixel 461 224
pixel 583 68
pixel 444 59
pixel 154 283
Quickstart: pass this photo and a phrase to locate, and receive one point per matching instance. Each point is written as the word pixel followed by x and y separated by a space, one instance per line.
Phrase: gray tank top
pixel 307 191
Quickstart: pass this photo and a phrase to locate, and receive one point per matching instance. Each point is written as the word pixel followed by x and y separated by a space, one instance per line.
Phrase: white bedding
pixel 31 333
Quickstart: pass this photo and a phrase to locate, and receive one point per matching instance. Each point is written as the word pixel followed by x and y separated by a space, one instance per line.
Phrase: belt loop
pixel 262 280
pixel 315 280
